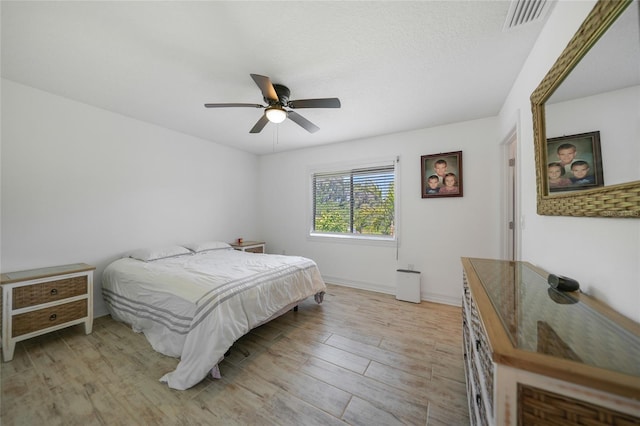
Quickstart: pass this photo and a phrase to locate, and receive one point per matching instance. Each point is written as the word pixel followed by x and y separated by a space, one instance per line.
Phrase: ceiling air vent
pixel 524 11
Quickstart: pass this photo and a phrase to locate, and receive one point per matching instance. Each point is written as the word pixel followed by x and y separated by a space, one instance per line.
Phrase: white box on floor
pixel 408 285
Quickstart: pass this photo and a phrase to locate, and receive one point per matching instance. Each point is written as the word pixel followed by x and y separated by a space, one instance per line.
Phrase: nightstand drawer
pixel 48 317
pixel 259 249
pixel 37 294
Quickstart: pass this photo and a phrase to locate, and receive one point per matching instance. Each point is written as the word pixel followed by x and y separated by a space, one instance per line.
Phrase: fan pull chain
pixel 276 137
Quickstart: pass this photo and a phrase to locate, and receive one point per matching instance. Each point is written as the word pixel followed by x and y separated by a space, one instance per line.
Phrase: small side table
pixel 249 246
pixel 40 301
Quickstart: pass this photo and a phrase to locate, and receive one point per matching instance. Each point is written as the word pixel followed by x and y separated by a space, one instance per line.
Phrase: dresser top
pixel 32 274
pixel 544 322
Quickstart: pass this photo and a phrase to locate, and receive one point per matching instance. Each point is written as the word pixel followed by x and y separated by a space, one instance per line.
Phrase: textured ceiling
pixel 395 65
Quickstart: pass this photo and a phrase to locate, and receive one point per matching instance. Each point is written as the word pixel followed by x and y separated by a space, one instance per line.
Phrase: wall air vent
pixel 524 11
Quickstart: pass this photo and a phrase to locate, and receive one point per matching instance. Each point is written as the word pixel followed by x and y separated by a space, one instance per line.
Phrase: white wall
pixel 433 233
pixel 81 184
pixel 603 254
pixel 612 114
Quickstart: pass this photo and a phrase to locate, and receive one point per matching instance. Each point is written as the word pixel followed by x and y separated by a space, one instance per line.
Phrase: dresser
pixel 40 301
pixel 536 356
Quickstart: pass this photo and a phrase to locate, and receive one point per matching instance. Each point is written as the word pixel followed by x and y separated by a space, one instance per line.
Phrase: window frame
pixel 348 237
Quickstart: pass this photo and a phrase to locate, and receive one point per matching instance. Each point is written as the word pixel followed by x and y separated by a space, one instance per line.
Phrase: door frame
pixel 511 202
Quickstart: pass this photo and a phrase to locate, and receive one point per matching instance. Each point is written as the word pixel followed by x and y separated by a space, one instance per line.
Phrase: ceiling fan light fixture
pixel 277 97
pixel 276 114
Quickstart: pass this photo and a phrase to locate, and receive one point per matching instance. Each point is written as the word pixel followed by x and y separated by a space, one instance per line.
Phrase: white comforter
pixel 196 306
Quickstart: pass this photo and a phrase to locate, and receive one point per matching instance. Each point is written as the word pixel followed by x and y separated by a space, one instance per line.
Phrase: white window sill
pixel 353 239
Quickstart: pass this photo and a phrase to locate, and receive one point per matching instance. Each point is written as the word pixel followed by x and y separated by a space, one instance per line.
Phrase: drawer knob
pixel 54 291
pixel 52 317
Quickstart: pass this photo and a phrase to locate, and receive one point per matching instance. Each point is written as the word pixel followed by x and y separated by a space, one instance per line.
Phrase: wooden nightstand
pixel 40 301
pixel 250 246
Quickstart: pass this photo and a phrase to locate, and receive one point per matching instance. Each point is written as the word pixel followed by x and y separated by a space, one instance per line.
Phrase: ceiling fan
pixel 277 98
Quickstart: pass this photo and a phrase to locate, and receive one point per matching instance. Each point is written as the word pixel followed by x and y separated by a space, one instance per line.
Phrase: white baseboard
pixel 360 285
pixel 439 298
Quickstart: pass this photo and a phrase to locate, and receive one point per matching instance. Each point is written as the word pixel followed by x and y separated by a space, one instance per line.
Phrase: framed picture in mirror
pixel 574 162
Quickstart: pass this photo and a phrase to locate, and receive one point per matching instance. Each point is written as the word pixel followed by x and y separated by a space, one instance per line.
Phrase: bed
pixel 194 301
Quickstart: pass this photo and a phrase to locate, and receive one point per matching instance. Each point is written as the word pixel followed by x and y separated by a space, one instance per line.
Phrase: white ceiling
pixel 395 65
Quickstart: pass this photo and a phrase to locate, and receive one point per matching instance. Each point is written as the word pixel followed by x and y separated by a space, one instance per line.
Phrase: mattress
pixel 196 306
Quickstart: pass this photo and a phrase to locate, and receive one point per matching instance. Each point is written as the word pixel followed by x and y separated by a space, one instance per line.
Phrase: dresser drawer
pixel 51 291
pixel 48 317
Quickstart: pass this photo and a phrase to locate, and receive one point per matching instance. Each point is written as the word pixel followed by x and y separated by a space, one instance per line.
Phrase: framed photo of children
pixel 442 175
pixel 574 162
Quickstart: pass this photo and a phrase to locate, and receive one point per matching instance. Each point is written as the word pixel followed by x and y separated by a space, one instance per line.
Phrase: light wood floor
pixel 360 358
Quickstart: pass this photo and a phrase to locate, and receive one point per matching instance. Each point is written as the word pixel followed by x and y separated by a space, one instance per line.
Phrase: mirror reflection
pixel 601 94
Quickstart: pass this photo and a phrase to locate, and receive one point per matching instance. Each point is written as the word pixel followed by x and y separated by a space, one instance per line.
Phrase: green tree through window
pixel 359 201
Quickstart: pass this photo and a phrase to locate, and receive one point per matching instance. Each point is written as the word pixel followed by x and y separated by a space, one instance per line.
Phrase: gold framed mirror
pixel 619 199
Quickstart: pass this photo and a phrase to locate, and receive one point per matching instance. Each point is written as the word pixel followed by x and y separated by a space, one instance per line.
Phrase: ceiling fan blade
pixel 303 122
pixel 265 85
pixel 233 105
pixel 257 128
pixel 315 103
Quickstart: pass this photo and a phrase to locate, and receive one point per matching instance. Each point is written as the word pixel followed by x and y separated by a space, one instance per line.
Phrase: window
pixel 357 202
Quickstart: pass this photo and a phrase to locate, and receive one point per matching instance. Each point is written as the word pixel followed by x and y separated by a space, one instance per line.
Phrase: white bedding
pixel 196 306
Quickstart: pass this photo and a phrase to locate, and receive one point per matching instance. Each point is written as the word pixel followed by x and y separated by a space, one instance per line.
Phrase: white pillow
pixel 155 253
pixel 206 246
